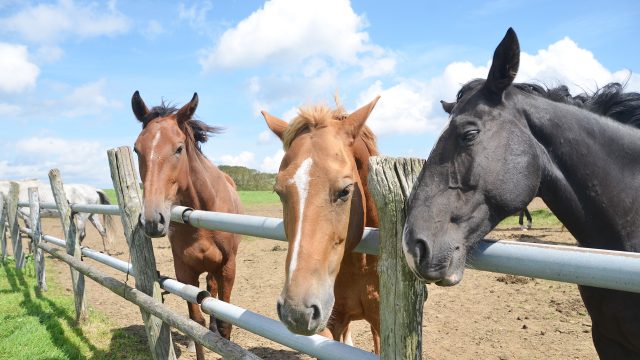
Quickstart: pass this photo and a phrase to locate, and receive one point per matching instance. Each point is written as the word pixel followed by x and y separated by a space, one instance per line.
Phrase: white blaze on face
pixel 301 182
pixel 154 143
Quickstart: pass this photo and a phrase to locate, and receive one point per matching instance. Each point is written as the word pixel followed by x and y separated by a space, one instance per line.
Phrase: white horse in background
pixel 76 194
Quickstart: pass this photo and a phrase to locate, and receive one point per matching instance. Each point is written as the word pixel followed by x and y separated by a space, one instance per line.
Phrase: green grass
pixel 111 195
pixel 38 325
pixel 541 218
pixel 249 198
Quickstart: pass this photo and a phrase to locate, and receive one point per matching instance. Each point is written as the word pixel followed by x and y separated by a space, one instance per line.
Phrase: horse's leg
pixel 609 349
pixel 520 220
pixel 346 336
pixel 187 277
pixel 80 228
pixel 98 225
pixel 212 288
pixel 225 279
pixel 529 220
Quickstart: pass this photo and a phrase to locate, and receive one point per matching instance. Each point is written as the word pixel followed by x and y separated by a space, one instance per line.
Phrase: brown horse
pixel 322 183
pixel 175 171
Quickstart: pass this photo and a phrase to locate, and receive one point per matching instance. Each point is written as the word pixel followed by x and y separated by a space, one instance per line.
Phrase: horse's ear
pixel 506 60
pixel 186 112
pixel 140 110
pixel 447 106
pixel 355 121
pixel 276 125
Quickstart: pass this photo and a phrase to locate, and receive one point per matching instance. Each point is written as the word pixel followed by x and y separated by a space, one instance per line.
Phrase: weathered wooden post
pixel 402 296
pixel 3 219
pixel 126 185
pixel 14 227
pixel 73 243
pixel 36 233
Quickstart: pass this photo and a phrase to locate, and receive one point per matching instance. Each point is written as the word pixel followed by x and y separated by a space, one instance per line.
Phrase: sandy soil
pixel 487 316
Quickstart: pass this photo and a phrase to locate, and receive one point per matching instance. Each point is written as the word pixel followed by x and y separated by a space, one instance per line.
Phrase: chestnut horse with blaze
pixel 175 171
pixel 322 183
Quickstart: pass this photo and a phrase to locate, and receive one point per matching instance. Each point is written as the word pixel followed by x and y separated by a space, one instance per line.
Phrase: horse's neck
pixel 589 179
pixel 361 154
pixel 203 179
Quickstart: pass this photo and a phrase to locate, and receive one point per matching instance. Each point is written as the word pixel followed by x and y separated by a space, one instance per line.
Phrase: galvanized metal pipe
pixel 616 270
pixel 259 226
pixel 316 345
pixel 81 208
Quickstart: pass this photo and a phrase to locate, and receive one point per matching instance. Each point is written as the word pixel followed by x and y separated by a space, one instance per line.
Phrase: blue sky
pixel 68 68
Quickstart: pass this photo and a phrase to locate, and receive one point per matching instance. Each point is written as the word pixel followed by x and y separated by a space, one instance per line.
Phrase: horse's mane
pixel 316 116
pixel 610 100
pixel 197 131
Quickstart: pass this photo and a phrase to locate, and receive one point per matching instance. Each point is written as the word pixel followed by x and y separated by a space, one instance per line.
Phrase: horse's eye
pixel 179 149
pixel 460 94
pixel 344 193
pixel 469 136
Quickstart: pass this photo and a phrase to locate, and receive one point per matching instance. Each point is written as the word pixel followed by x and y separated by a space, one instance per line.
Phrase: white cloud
pixel 412 106
pixel 263 138
pixel 88 99
pixel 153 30
pixel 50 23
pixel 17 73
pixel 48 54
pixel 271 164
pixel 245 158
pixel 9 109
pixel 78 160
pixel 196 16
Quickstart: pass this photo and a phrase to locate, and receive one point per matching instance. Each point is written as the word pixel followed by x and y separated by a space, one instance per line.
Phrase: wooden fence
pixel 402 297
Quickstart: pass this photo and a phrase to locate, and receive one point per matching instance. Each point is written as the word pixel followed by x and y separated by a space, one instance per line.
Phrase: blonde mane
pixel 317 116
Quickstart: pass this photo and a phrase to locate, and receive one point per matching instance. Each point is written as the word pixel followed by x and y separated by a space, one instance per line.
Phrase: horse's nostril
pixel 316 312
pixel 279 309
pixel 162 220
pixel 422 252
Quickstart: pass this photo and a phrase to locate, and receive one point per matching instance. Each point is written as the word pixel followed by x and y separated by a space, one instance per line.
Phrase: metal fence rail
pixel 617 270
pixel 316 345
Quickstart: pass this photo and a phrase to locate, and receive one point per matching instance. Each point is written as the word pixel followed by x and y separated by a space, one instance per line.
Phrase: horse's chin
pixel 451 279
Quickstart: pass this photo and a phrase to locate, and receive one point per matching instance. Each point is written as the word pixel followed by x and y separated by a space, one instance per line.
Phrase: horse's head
pixel 323 203
pixel 484 167
pixel 162 159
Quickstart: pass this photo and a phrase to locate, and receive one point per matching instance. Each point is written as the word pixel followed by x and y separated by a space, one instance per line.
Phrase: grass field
pixel 248 198
pixel 541 218
pixel 40 326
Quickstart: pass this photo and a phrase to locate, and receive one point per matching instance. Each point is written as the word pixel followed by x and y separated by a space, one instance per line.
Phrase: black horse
pixel 507 143
pixel 525 212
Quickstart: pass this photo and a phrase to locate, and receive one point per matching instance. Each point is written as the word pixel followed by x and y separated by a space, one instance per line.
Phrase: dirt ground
pixel 487 316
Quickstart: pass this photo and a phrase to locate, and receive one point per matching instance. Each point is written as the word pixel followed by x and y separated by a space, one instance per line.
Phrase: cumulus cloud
pixel 271 164
pixel 412 106
pixel 17 73
pixel 245 158
pixel 51 23
pixel 88 99
pixel 320 40
pixel 9 109
pixel 78 160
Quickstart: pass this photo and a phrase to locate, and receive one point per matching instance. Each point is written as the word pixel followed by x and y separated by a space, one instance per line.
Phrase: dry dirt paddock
pixel 487 316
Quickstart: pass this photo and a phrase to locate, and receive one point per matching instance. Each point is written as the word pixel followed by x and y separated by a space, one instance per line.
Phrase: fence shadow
pixel 52 318
pixel 269 353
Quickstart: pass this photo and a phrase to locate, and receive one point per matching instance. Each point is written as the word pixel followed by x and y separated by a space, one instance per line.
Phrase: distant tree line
pixel 249 179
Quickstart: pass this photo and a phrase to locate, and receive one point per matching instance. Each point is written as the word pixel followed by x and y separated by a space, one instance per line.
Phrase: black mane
pixel 610 100
pixel 196 130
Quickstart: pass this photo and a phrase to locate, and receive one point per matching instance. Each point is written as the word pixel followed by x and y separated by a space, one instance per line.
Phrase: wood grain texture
pixel 73 243
pixel 14 227
pixel 127 188
pixel 3 228
pixel 36 236
pixel 401 295
pixel 209 339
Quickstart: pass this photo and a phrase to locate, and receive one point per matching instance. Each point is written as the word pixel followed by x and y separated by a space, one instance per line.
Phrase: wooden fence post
pixel 402 296
pixel 36 233
pixel 14 226
pixel 3 238
pixel 73 244
pixel 127 188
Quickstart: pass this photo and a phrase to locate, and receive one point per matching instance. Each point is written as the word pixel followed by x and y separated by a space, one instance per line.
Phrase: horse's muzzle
pixel 156 226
